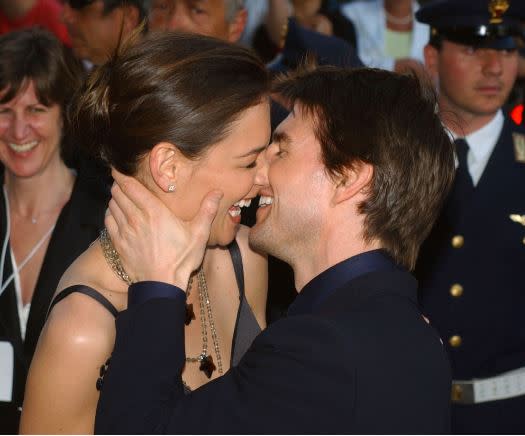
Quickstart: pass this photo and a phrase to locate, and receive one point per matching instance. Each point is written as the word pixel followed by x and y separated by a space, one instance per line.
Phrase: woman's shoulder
pixel 91 270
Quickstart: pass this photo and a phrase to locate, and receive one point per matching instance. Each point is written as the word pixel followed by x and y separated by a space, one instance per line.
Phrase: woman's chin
pixel 224 236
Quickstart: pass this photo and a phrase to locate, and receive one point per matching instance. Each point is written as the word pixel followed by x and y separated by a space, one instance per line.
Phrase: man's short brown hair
pixel 389 121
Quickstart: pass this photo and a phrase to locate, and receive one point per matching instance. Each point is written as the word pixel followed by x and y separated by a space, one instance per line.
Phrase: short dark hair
pixel 391 122
pixel 184 89
pixel 36 55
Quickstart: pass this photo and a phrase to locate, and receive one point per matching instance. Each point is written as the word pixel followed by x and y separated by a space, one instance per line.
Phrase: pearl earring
pixel 171 188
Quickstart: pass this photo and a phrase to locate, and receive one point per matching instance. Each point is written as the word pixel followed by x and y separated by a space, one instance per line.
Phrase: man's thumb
pixel 209 206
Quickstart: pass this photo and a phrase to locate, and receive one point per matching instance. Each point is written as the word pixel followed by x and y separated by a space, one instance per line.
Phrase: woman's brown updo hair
pixel 171 87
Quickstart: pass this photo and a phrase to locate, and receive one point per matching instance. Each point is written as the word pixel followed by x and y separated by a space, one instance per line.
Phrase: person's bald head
pixel 224 19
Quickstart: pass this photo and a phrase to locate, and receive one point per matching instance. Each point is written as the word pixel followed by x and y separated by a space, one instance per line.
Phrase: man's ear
pixel 237 25
pixel 164 163
pixel 431 55
pixel 354 181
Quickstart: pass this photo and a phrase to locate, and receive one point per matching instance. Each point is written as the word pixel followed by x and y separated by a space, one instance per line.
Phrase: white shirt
pixel 369 20
pixel 23 311
pixel 481 145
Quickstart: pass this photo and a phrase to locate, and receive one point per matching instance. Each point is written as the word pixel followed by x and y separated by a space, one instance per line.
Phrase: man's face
pixel 298 192
pixel 94 33
pixel 204 17
pixel 473 82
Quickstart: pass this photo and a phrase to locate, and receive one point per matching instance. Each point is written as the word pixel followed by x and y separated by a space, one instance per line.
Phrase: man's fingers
pixel 116 212
pixel 136 192
pixel 201 224
pixel 121 202
pixel 111 226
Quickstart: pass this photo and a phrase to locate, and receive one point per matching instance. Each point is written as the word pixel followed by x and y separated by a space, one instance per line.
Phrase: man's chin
pixel 260 239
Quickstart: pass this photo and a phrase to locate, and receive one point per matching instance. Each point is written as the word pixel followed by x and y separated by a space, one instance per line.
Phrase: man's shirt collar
pixel 324 284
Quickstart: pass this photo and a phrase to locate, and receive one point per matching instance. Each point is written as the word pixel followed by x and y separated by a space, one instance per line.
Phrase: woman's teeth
pixel 235 210
pixel 243 203
pixel 21 148
pixel 265 201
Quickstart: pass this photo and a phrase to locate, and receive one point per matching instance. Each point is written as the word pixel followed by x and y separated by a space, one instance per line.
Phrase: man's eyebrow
pixel 254 151
pixel 281 137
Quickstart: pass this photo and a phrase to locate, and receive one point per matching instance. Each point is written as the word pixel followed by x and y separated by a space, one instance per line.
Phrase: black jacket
pixel 78 224
pixel 362 361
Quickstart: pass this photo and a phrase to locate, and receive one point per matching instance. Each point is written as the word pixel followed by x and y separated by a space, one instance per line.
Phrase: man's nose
pixel 493 62
pixel 178 20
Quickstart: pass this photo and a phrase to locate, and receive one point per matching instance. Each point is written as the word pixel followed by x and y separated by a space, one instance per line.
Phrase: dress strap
pixel 86 290
pixel 235 254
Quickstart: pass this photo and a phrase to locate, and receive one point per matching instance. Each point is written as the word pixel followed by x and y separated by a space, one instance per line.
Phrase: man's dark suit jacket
pixel 355 359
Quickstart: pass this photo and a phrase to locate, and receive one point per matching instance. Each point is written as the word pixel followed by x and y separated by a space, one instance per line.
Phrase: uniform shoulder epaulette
pixel 518 140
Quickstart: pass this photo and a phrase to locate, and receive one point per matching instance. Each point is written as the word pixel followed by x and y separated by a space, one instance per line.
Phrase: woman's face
pixel 30 133
pixel 236 166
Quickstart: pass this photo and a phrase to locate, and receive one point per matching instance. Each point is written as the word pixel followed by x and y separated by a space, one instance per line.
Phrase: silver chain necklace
pixel 206 361
pixel 112 257
pixel 398 21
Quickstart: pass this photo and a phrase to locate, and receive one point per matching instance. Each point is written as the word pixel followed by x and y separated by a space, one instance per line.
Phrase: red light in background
pixel 517 114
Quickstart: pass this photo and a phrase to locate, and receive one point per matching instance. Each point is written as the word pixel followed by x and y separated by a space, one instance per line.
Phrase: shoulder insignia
pixel 519 146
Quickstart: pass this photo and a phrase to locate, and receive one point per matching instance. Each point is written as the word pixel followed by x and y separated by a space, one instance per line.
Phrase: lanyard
pixel 17 268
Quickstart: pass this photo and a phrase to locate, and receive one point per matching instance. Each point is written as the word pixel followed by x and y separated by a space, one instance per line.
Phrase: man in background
pixel 471 269
pixel 97 26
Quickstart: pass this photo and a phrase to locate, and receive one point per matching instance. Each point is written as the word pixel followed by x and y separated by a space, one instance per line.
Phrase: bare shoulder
pixel 76 340
pixel 91 269
pixel 255 275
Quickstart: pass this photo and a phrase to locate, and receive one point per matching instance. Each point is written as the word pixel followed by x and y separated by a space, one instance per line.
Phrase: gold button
pixel 457 393
pixel 455 341
pixel 524 240
pixel 456 290
pixel 458 241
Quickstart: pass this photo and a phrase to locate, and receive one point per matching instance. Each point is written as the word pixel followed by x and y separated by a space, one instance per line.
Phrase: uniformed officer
pixel 472 267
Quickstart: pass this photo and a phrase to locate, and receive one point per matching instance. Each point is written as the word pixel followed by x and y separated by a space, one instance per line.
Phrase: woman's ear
pixel 164 162
pixel 355 180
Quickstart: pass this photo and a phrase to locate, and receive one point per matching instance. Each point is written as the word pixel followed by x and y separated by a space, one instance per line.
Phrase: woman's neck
pixel 399 15
pixel 42 192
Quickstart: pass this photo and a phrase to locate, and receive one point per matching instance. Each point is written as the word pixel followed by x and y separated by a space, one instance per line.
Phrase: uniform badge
pixel 517 218
pixel 520 219
pixel 519 146
pixel 497 8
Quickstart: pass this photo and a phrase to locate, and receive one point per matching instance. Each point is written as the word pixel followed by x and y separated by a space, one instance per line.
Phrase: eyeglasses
pixel 79 4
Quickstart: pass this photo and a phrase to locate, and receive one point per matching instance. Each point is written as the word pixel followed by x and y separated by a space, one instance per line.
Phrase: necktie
pixel 463 186
pixel 462 173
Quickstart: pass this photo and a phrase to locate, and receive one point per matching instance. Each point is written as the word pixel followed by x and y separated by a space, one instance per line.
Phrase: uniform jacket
pixel 78 225
pixel 489 266
pixel 361 361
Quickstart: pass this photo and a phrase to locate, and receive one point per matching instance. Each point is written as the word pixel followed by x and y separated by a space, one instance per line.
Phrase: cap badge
pixel 497 8
pixel 519 146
